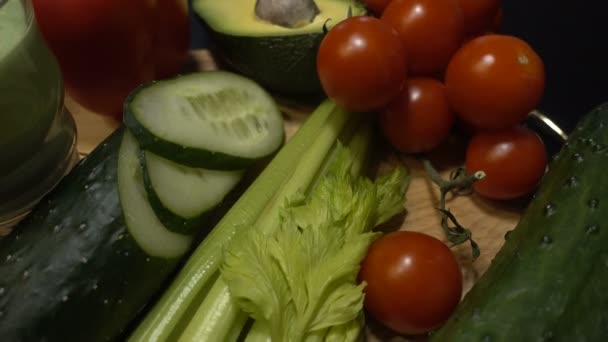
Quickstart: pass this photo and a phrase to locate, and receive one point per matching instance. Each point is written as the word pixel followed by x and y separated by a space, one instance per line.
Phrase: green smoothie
pixel 36 135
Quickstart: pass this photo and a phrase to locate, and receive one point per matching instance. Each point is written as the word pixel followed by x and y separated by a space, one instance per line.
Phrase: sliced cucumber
pixel 181 196
pixel 214 120
pixel 143 225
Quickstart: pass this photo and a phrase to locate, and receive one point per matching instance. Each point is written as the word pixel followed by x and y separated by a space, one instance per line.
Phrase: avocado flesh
pixel 237 17
pixel 287 13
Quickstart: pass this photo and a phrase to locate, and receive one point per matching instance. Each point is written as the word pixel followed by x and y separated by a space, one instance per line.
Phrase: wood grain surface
pixel 489 221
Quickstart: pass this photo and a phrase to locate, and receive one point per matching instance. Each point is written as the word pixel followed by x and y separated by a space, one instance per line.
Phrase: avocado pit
pixel 287 13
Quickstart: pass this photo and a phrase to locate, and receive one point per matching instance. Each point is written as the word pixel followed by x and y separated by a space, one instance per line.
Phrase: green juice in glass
pixel 37 136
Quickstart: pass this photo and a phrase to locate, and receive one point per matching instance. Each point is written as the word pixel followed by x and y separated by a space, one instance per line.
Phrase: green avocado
pixel 279 58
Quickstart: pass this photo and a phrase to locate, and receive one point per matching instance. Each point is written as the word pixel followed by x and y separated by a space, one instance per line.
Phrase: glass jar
pixel 105 49
pixel 37 134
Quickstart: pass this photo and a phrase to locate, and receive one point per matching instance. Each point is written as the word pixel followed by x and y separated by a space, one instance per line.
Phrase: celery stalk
pixel 302 179
pixel 360 147
pixel 222 314
pixel 237 328
pixel 285 170
pixel 258 333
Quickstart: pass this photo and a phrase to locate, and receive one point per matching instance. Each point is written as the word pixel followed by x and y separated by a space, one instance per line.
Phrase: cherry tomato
pixel 362 63
pixel 494 81
pixel 478 14
pixel 377 6
pixel 413 281
pixel 432 30
pixel 420 118
pixel 513 159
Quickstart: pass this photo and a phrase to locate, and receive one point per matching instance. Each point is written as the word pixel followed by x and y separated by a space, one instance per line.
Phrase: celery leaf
pixel 299 279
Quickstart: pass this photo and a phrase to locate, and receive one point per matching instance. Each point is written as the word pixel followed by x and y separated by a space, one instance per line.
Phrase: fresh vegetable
pixel 362 64
pixel 294 168
pixel 210 322
pixel 413 282
pixel 181 196
pixel 432 31
pixel 93 252
pixel 548 281
pixel 513 160
pixel 297 278
pixel 142 224
pixel 107 48
pixel 494 81
pixel 479 15
pixel 72 271
pixel 377 6
pixel 420 118
pixel 219 120
pixel 281 59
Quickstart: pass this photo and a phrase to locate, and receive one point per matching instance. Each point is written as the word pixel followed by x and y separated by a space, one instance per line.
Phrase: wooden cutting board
pixel 489 221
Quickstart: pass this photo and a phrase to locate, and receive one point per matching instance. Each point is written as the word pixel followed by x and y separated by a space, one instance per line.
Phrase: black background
pixel 570 36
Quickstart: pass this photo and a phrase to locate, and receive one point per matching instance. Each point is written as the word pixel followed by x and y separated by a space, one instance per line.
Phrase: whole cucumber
pixel 549 281
pixel 71 271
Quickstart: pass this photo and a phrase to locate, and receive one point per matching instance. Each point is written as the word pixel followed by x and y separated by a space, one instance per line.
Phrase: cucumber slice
pixel 143 225
pixel 215 120
pixel 181 196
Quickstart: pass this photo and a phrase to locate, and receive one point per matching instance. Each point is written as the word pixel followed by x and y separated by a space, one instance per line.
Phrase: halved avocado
pixel 279 58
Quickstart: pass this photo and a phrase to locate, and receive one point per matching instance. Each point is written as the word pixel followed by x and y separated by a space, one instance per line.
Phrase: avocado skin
pixel 285 65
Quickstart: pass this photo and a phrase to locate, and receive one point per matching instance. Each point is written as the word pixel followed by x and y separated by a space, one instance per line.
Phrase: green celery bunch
pixel 299 280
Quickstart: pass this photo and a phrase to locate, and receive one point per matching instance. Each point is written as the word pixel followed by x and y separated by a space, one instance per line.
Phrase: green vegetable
pixel 298 280
pixel 213 318
pixel 142 223
pixel 282 59
pixel 548 282
pixel 181 196
pixel 293 169
pixel 215 120
pixel 93 253
pixel 72 271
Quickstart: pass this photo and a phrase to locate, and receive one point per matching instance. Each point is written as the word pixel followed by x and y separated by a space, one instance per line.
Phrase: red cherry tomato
pixel 377 6
pixel 413 281
pixel 478 14
pixel 420 118
pixel 106 48
pixel 494 81
pixel 362 64
pixel 432 30
pixel 514 160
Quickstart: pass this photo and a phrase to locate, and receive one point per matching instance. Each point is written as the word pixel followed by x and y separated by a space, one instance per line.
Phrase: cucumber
pixel 72 271
pixel 143 225
pixel 215 120
pixel 182 196
pixel 548 282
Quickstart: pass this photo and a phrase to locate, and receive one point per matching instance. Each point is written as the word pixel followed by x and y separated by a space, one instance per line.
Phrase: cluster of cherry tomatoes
pixel 428 65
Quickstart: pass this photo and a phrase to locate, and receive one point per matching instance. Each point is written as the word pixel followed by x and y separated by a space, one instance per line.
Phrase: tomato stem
pixel 459 181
